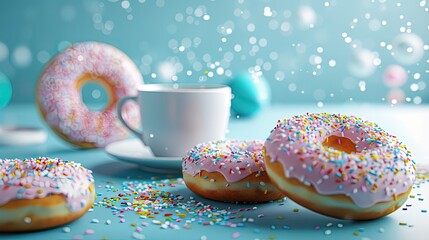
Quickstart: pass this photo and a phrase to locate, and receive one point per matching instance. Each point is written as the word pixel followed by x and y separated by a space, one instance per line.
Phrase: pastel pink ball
pixel 395 76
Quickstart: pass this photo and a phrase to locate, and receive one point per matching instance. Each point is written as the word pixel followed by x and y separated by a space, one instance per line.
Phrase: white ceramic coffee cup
pixel 176 117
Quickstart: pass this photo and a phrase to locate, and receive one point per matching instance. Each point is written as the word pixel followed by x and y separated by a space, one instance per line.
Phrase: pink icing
pixel 41 177
pixel 61 103
pixel 380 169
pixel 234 159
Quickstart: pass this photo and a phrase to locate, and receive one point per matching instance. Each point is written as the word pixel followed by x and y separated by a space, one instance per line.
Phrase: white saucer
pixel 21 135
pixel 133 151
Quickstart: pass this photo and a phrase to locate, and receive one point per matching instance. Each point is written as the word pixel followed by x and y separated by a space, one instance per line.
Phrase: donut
pixel 229 171
pixel 42 193
pixel 59 94
pixel 340 166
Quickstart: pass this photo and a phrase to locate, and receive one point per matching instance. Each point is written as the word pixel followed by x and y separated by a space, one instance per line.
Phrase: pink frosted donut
pixel 59 93
pixel 232 171
pixel 42 193
pixel 340 166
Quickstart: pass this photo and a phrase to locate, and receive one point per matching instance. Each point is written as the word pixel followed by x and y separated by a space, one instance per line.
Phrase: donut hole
pixel 94 95
pixel 340 143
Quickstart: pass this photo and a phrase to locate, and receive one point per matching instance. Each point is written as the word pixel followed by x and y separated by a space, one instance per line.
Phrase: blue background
pixel 151 33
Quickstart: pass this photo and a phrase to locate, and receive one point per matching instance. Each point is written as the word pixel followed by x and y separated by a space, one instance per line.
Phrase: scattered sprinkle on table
pixel 155 203
pixel 139 236
pixel 89 232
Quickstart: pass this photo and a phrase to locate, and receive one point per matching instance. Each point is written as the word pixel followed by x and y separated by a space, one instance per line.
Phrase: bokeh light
pixel 361 64
pixel 306 16
pixel 407 48
pixel 94 96
pixel 395 76
pixel 22 56
pixel 395 96
pixel 317 52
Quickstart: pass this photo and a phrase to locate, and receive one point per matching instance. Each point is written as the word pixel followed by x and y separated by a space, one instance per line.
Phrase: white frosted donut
pixel 42 193
pixel 339 165
pixel 59 93
pixel 230 170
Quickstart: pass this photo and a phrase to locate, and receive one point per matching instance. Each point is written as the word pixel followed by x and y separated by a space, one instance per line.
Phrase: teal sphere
pixel 5 90
pixel 251 93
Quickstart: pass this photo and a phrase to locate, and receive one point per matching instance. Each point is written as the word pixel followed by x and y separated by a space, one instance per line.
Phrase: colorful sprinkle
pixel 27 220
pixel 89 232
pixel 139 236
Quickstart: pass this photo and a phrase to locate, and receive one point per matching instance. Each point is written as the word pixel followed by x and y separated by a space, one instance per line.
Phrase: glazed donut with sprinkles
pixel 42 193
pixel 231 171
pixel 340 166
pixel 60 102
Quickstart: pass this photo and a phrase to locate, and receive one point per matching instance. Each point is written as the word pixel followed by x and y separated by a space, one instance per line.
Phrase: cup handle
pixel 119 107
